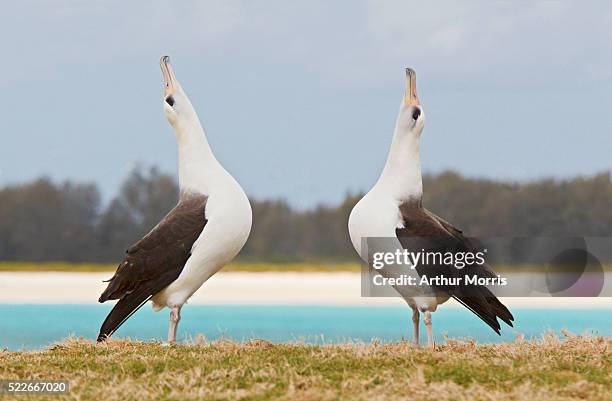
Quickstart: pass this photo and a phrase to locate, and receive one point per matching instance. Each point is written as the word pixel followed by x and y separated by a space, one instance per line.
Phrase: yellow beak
pixel 410 97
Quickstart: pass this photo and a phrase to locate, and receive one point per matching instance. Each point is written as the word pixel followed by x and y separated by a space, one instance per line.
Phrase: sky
pixel 299 99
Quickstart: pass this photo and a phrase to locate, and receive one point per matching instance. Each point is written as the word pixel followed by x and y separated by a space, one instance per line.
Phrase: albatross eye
pixel 170 100
pixel 416 113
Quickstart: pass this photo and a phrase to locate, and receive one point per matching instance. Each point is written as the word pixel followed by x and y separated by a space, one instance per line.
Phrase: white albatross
pixel 393 209
pixel 206 229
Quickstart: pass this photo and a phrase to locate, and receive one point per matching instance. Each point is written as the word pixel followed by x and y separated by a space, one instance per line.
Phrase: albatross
pixel 393 209
pixel 203 232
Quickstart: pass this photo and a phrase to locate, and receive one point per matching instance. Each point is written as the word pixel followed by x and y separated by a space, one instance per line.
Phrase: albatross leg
pixel 415 326
pixel 427 320
pixel 175 317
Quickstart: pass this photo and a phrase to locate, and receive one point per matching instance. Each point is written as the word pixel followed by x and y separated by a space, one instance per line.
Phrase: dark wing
pixel 154 262
pixel 439 235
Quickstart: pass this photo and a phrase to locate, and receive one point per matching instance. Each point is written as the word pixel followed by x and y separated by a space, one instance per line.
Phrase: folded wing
pixel 154 262
pixel 440 235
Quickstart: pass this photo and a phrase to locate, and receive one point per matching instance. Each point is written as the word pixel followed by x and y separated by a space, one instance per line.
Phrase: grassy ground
pixel 232 267
pixel 575 368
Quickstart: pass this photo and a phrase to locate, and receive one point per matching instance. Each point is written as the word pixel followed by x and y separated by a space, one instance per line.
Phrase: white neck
pixel 402 173
pixel 197 165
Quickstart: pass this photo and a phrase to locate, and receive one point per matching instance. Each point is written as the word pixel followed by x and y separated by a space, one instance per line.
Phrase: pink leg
pixel 427 320
pixel 415 326
pixel 175 317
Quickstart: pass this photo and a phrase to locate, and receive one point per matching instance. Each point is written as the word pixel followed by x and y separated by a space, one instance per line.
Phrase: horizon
pixel 105 202
pixel 509 93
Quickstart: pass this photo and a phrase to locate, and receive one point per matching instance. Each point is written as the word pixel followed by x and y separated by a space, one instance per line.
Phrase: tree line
pixel 47 221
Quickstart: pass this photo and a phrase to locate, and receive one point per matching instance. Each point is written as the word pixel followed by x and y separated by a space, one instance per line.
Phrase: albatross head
pixel 177 107
pixel 411 118
pixel 402 173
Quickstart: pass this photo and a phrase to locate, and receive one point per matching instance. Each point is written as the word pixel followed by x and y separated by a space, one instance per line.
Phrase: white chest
pixel 373 216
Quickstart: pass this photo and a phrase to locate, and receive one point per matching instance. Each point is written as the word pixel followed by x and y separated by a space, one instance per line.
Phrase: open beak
pixel 170 83
pixel 410 97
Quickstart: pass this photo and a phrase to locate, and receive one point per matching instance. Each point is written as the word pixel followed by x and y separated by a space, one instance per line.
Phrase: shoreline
pixel 243 288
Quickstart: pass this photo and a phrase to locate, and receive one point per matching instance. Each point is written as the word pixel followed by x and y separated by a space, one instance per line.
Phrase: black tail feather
pixel 480 311
pixel 126 307
pixel 486 306
pixel 501 311
pixel 131 302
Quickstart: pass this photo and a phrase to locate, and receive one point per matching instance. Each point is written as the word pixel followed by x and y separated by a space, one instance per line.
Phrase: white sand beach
pixel 227 288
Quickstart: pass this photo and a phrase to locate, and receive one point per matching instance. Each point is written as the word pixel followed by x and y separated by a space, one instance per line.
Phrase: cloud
pixel 503 44
pixel 498 44
pixel 313 75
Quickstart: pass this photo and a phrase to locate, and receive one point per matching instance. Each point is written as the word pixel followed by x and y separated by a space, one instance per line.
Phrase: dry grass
pixel 575 368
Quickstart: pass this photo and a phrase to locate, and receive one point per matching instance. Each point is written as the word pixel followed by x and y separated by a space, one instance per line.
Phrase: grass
pixel 573 368
pixel 232 267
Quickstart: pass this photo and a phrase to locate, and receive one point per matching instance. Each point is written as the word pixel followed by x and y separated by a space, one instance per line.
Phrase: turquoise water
pixel 37 326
